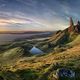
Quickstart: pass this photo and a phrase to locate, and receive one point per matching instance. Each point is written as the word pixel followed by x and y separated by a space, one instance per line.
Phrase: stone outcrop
pixel 65 74
pixel 77 27
pixel 74 28
pixel 71 27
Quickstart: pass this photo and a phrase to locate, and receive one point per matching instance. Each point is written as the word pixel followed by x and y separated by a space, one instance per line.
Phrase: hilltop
pixel 63 38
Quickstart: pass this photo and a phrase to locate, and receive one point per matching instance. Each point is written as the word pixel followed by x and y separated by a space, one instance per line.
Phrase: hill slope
pixel 40 66
pixel 11 54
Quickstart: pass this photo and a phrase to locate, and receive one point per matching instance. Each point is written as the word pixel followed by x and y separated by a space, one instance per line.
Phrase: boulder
pixel 65 74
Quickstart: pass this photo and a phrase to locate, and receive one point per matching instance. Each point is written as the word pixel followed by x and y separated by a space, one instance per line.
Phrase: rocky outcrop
pixel 74 28
pixel 71 27
pixel 65 74
pixel 77 27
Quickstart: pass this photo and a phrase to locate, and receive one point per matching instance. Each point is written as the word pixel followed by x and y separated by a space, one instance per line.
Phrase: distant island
pixel 23 32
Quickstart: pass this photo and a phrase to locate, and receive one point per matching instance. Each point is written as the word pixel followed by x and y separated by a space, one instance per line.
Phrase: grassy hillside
pixel 43 67
pixel 11 54
pixel 76 41
pixel 60 51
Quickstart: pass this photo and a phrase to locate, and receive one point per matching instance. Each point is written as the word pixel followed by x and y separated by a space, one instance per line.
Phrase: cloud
pixel 3 5
pixel 36 14
pixel 14 21
pixel 19 21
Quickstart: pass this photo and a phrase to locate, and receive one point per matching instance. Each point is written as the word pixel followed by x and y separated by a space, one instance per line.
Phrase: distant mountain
pixel 22 32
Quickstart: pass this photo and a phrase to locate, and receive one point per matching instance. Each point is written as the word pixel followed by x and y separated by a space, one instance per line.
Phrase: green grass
pixel 9 75
pixel 27 74
pixel 14 65
pixel 11 55
pixel 76 41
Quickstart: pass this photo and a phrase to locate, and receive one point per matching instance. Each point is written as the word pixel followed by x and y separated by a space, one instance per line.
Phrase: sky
pixel 37 15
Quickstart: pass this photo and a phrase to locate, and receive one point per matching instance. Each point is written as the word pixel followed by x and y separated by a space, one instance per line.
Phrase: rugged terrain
pixel 61 50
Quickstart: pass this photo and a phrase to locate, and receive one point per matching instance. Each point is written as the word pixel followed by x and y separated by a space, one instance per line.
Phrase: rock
pixel 71 27
pixel 77 27
pixel 66 74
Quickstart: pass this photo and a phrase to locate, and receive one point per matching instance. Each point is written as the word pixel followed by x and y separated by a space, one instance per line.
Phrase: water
pixel 4 38
pixel 10 37
pixel 36 50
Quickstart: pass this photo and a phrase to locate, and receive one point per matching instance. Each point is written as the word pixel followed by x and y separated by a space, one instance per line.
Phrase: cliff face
pixel 74 28
pixel 71 27
pixel 77 27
